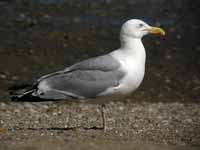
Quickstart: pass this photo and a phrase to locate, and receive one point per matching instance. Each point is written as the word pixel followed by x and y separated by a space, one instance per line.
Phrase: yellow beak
pixel 157 30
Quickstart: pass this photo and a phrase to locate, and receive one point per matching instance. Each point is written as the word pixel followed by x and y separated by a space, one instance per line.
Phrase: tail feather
pixel 21 92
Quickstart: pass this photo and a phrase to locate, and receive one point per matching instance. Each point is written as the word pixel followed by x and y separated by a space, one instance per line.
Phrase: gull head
pixel 136 29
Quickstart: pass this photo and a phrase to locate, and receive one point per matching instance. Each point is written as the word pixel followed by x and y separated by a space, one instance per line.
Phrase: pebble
pixel 14 78
pixel 1 122
pixel 120 134
pixel 168 57
pixel 3 76
pixel 55 113
pixel 36 121
pixel 51 133
pixel 59 112
pixel 3 104
pixel 121 108
pixel 178 36
pixel 76 19
pixel 167 80
pixel 45 106
pixel 16 111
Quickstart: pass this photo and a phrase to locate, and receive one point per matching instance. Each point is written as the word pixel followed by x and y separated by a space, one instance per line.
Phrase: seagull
pixel 115 74
pixel 119 72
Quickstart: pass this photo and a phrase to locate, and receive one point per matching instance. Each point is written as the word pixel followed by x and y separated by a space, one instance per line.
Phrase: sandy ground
pixel 162 123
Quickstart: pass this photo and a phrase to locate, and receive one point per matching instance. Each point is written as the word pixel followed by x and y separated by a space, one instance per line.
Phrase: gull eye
pixel 141 25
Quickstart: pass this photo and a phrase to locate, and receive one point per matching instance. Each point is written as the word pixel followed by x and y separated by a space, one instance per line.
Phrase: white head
pixel 136 29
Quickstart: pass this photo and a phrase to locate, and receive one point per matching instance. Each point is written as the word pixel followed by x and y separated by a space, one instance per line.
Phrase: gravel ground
pixel 163 123
pixel 59 143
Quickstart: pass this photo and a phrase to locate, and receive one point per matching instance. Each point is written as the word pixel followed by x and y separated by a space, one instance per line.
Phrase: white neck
pixel 133 47
pixel 130 43
pixel 132 57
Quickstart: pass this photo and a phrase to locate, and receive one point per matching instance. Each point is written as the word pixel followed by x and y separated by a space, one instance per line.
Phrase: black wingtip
pixel 19 98
pixel 14 98
pixel 29 98
pixel 24 98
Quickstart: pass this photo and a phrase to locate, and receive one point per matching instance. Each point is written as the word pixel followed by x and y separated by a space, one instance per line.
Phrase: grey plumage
pixel 103 63
pixel 95 63
pixel 86 79
pixel 87 83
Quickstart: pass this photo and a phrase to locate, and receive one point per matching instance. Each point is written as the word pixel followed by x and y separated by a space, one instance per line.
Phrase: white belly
pixel 130 82
pixel 133 78
pixel 133 64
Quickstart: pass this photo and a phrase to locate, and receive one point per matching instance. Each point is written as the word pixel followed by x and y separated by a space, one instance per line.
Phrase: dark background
pixel 42 36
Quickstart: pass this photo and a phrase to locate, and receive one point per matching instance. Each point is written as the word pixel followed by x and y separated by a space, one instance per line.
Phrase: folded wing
pixel 86 79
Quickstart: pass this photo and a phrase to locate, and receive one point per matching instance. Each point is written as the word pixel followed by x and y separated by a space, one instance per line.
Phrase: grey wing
pixel 49 75
pixel 103 63
pixel 86 79
pixel 83 84
pixel 95 63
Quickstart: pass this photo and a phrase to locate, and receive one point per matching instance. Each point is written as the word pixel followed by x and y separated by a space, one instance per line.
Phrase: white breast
pixel 132 57
pixel 133 63
pixel 134 75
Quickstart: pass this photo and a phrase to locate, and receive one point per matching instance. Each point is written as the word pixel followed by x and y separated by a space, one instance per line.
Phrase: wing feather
pixel 87 78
